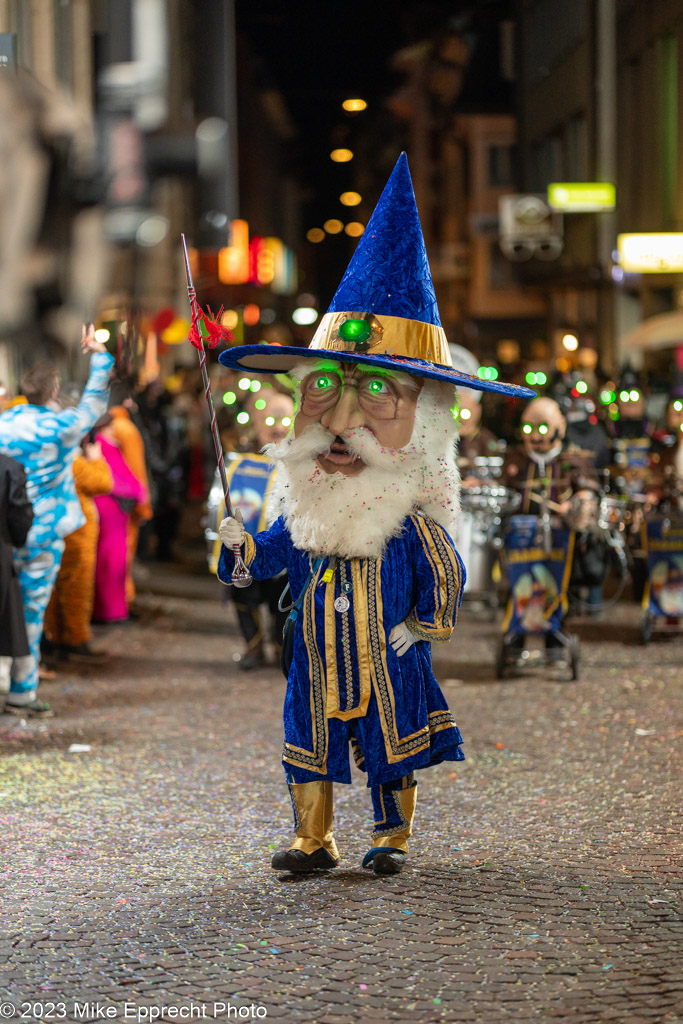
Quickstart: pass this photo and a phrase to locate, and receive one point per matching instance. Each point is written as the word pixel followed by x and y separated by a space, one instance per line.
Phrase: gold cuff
pixel 399 840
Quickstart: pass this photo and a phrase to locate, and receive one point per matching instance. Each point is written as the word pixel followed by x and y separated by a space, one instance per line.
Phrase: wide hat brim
pixel 283 358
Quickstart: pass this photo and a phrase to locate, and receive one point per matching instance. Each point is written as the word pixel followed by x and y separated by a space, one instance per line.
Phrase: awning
pixel 662 331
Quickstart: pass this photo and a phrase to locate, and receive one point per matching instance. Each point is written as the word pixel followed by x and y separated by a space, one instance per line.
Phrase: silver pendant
pixel 342 604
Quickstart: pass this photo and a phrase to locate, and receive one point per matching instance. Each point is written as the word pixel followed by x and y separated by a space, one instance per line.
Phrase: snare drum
pixel 471 541
pixel 612 513
pixel 584 512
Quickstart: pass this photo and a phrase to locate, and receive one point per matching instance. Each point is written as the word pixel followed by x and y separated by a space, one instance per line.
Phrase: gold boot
pixel 314 848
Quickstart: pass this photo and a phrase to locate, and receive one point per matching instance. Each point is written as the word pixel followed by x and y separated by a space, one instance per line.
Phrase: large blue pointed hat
pixel 384 312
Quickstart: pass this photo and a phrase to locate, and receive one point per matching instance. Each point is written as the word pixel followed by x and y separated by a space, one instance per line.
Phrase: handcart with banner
pixel 538 552
pixel 662 604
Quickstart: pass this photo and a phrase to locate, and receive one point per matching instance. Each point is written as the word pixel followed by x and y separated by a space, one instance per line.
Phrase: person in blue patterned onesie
pixel 364 504
pixel 45 442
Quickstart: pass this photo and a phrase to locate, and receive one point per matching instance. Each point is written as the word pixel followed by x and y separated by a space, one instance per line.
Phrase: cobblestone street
pixel 541 885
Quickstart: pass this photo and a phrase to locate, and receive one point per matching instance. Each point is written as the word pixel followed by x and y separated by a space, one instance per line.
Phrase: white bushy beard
pixel 355 516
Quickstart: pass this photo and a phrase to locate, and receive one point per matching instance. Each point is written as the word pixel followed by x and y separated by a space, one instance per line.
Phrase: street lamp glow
pixel 304 315
pixel 353 106
pixel 341 156
pixel 570 342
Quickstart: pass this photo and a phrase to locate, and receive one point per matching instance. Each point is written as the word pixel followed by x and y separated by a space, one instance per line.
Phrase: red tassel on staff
pixel 207 328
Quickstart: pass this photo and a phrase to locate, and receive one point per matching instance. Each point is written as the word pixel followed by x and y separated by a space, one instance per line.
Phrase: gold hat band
pixel 400 337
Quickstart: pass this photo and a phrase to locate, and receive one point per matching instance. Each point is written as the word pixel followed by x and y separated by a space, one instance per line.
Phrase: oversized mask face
pixel 345 397
pixel 543 426
pixel 674 417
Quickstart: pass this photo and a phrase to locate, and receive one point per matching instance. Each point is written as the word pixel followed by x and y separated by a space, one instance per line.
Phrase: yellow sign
pixel 581 196
pixel 651 253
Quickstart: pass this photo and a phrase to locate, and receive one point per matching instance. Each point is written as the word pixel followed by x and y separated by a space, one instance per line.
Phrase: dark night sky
pixel 319 53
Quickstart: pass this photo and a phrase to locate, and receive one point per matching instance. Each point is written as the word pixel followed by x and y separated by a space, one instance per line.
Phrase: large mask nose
pixel 345 415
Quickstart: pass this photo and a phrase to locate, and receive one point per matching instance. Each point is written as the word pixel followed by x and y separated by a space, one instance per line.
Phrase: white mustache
pixel 316 440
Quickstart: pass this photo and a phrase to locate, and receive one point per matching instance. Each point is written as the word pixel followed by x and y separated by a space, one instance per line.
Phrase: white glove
pixel 231 530
pixel 401 639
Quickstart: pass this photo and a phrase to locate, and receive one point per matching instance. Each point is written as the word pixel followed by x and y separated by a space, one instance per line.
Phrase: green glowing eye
pixel 455 413
pixel 624 396
pixel 377 387
pixel 323 382
pixel 678 406
pixel 355 330
pixel 465 414
pixel 270 421
pixel 527 428
pixel 543 429
pixel 635 395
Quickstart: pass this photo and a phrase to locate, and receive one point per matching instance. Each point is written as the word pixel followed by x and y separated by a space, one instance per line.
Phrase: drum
pixel 471 540
pixel 584 512
pixel 489 500
pixel 612 513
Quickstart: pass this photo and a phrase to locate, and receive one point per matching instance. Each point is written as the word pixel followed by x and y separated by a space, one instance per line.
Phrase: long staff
pixel 241 577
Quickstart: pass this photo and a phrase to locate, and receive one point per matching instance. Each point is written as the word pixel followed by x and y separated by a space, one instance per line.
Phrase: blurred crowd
pixel 93 479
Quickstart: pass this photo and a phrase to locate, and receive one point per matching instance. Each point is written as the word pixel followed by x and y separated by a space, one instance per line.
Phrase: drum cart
pixel 538 553
pixel 662 604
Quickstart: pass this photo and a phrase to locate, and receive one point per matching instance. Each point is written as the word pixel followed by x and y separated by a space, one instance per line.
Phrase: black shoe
pixel 36 709
pixel 297 860
pixel 84 652
pixel 385 860
pixel 251 661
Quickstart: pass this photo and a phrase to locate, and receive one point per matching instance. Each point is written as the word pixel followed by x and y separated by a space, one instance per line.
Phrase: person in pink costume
pixel 114 510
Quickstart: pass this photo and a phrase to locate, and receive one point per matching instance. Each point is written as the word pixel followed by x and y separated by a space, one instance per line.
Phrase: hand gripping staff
pixel 204 328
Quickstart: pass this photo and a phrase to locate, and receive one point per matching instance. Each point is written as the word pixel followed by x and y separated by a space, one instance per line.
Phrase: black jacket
pixel 16 516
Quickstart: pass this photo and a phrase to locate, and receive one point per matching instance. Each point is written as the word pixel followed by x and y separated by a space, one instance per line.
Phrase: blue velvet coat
pixel 346 682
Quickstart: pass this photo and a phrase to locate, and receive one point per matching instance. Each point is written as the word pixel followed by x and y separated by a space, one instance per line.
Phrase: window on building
pixel 501 166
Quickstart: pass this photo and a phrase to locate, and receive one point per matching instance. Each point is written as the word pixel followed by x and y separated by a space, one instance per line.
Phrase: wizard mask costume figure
pixel 366 499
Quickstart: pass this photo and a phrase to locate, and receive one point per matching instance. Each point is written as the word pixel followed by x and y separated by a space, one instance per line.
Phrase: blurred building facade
pixel 600 95
pixel 127 122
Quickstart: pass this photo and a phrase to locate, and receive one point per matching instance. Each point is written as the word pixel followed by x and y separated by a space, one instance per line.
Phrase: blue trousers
pixel 37 568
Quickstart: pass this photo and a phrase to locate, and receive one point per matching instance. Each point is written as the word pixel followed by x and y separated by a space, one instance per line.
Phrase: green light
pixel 270 421
pixel 286 421
pixel 543 429
pixel 493 372
pixel 527 428
pixel 242 417
pixel 581 387
pixel 355 330
pixel 255 385
pixel 244 383
pixel 531 378
pixel 229 398
pixel 613 408
pixel 376 386
pixel 323 382
pixel 466 414
pixel 678 406
pixel 260 403
pixel 635 395
pixel 613 415
pixel 455 413
pixel 624 396
pixel 606 397
pixel 541 378
pixel 487 373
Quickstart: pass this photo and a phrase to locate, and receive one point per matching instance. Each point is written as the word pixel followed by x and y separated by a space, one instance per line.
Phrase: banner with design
pixel 663 593
pixel 538 579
